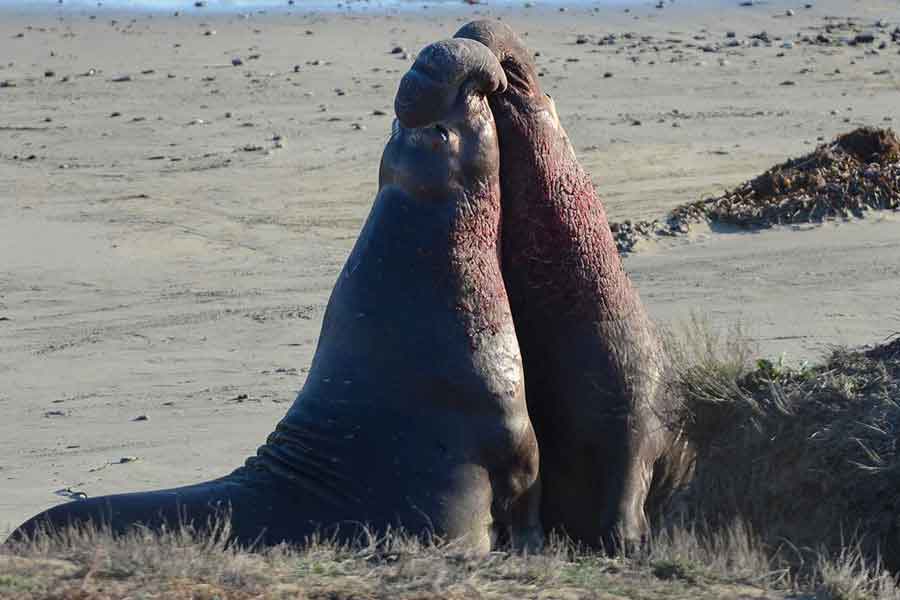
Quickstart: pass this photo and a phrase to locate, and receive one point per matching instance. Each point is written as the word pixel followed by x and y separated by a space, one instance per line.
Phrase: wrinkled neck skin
pixel 569 251
pixel 453 166
pixel 565 278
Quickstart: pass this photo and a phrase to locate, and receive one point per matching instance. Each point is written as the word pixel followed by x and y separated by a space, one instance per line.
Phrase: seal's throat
pixel 418 298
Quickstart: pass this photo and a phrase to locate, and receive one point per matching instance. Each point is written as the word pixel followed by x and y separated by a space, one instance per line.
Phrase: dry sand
pixel 161 257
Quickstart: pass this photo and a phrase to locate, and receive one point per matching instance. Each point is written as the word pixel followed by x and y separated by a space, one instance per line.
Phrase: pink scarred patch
pixel 475 259
pixel 562 244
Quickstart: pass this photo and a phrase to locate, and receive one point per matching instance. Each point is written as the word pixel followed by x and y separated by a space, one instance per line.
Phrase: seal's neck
pixel 475 257
pixel 562 242
pixel 587 245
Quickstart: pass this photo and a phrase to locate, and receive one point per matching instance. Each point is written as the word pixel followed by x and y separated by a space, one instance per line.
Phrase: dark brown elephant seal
pixel 594 363
pixel 413 414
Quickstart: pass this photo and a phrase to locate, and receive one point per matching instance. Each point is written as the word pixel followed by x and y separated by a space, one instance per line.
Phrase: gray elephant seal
pixel 413 414
pixel 595 367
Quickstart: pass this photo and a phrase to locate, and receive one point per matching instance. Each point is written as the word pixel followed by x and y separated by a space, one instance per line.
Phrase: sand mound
pixel 856 172
pixel 808 455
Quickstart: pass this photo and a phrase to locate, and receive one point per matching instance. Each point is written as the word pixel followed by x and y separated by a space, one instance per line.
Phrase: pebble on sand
pixel 71 493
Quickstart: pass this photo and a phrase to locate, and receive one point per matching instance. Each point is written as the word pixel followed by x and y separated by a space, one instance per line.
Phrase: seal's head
pixel 444 138
pixel 524 93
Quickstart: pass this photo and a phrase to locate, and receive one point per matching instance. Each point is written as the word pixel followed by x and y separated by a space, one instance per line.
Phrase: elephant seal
pixel 413 415
pixel 594 363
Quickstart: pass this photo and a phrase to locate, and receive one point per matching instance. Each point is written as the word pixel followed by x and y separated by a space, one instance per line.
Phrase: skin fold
pixel 595 365
pixel 413 414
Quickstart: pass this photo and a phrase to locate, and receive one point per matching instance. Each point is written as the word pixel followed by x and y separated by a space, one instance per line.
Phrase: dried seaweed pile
pixel 808 455
pixel 850 31
pixel 857 172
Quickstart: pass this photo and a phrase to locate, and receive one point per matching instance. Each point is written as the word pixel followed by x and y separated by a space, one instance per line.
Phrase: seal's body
pixel 413 414
pixel 594 363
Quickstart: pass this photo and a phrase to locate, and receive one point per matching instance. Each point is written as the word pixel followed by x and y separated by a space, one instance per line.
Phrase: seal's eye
pixel 445 135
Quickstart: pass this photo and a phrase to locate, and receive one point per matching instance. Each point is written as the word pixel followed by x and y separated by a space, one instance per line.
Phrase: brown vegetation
pixel 806 456
pixel 89 565
pixel 854 173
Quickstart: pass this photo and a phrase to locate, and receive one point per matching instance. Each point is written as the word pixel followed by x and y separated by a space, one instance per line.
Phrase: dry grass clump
pixel 854 173
pixel 90 564
pixel 806 456
pixel 679 563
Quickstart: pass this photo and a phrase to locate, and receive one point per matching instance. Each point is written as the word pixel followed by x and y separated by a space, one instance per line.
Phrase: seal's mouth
pixel 551 108
pixel 518 77
pixel 523 86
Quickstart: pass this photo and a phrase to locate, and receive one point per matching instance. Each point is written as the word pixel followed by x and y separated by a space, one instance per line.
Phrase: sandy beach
pixel 178 194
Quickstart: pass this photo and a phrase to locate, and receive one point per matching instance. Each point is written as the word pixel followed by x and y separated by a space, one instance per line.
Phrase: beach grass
pixel 678 563
pixel 805 455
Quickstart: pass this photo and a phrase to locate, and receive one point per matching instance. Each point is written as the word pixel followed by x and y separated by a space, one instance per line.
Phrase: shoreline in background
pixel 220 7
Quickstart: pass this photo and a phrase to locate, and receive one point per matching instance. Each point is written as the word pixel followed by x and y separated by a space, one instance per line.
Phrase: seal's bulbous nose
pixel 507 47
pixel 431 88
